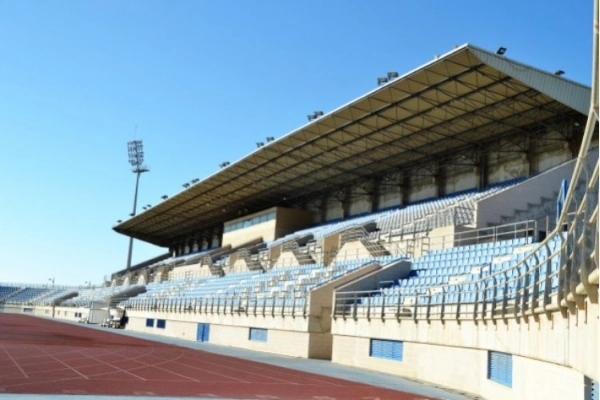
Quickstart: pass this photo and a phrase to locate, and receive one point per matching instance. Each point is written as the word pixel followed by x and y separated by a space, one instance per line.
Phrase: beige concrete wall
pixel 352 251
pixel 502 168
pixel 457 181
pixel 465 369
pixel 561 347
pixel 422 188
pixel 195 270
pixel 330 243
pixel 491 209
pixel 286 259
pixel 233 331
pixel 290 220
pixel 390 197
pixel 265 230
pixel 360 204
pixel 438 238
pixel 334 210
pixel 289 343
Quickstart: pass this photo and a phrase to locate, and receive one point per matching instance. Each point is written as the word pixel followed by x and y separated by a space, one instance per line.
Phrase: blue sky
pixel 203 81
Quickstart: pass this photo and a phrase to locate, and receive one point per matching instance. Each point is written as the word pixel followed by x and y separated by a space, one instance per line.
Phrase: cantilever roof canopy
pixel 465 96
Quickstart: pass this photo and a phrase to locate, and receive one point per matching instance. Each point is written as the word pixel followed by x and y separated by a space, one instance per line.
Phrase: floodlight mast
pixel 135 149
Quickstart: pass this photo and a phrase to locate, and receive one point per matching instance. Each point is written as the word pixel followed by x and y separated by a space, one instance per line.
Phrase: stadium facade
pixel 442 227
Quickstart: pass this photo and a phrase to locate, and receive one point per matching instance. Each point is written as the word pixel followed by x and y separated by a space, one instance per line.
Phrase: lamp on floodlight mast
pixel 135 149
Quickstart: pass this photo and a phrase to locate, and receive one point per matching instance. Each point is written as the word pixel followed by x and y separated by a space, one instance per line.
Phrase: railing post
pixel 458 302
pixel 443 304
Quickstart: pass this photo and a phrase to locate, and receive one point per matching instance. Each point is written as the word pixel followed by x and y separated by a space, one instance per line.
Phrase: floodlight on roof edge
pixel 381 81
pixel 135 150
pixel 259 144
pixel 392 75
pixel 270 139
pixel 501 50
pixel 559 72
pixel 164 197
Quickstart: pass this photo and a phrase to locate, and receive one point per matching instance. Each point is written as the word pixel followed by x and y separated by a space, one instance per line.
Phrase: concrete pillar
pixel 405 188
pixel 323 208
pixel 347 201
pixel 532 155
pixel 375 193
pixel 440 180
pixel 483 170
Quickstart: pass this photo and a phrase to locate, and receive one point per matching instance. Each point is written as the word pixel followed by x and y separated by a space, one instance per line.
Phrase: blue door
pixel 203 332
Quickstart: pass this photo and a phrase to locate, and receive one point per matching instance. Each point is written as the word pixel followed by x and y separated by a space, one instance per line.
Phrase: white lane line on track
pixel 246 371
pixel 63 363
pixel 268 368
pixel 14 362
pixel 114 366
pixel 211 372
pixel 166 370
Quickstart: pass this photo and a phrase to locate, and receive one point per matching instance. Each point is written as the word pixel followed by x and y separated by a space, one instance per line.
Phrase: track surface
pixel 48 357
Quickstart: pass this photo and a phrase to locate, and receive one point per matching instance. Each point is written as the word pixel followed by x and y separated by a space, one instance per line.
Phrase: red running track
pixel 42 356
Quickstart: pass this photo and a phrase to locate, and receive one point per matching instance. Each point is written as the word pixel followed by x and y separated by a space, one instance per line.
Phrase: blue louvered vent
pixel 390 349
pixel 500 368
pixel 161 323
pixel 203 332
pixel 258 335
pixel 150 322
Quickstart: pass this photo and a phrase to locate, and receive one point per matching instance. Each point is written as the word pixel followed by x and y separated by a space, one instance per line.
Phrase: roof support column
pixel 575 140
pixel 440 179
pixel 405 188
pixel 323 208
pixel 208 238
pixel 347 201
pixel 375 193
pixel 532 155
pixel 483 166
pixel 217 236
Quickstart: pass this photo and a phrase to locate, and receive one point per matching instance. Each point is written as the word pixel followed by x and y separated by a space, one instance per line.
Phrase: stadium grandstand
pixel 442 227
